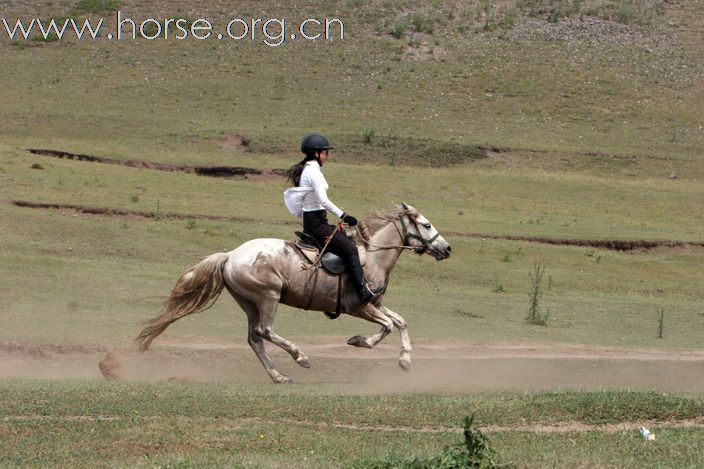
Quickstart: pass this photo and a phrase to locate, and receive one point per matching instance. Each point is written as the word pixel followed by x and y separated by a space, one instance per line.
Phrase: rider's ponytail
pixel 294 172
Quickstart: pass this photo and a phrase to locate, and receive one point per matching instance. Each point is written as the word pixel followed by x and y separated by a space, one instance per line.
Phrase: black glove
pixel 349 219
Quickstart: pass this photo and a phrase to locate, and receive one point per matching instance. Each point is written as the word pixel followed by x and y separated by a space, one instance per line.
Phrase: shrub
pixel 661 323
pixel 95 6
pixel 475 451
pixel 368 135
pixel 398 30
pixel 535 312
pixel 421 24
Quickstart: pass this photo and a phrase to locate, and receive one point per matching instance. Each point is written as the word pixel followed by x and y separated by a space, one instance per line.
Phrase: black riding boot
pixel 354 268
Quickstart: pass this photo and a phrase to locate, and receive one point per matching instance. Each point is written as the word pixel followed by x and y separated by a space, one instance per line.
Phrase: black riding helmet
pixel 314 142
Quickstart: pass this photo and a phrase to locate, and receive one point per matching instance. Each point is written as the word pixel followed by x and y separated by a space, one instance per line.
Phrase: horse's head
pixel 420 234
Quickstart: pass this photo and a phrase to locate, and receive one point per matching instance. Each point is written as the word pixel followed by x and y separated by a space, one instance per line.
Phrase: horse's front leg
pixel 371 314
pixel 405 359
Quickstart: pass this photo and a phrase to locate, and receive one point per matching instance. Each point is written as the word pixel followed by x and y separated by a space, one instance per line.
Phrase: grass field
pixel 173 425
pixel 562 120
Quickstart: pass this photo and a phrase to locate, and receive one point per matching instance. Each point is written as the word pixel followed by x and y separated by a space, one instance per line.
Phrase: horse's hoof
pixel 283 380
pixel 405 364
pixel 303 361
pixel 358 341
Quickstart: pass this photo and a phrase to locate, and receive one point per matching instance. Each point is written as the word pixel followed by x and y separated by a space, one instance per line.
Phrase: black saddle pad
pixel 333 263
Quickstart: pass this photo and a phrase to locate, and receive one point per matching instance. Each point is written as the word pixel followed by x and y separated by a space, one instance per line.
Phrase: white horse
pixel 261 273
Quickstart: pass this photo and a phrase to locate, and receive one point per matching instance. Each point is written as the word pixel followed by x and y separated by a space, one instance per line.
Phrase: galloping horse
pixel 262 273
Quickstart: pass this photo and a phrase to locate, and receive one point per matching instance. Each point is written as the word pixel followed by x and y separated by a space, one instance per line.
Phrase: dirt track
pixel 446 367
pixel 213 171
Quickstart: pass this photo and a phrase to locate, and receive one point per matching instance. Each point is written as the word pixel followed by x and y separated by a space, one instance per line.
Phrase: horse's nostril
pixel 449 248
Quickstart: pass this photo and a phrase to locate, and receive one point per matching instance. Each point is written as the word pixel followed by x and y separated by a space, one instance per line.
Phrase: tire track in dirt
pixel 117 212
pixel 212 171
pixel 550 428
pixel 557 427
pixel 634 245
pixel 608 244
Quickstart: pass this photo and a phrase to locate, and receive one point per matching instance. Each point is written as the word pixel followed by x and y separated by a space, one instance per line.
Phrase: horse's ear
pixel 408 209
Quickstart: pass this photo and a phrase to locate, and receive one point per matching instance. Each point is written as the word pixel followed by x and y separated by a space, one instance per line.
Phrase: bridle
pixel 406 235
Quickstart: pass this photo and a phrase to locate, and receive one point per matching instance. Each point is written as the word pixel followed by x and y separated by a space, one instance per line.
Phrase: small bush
pixel 626 12
pixel 661 323
pixel 563 11
pixel 367 136
pixel 475 451
pixel 535 312
pixel 421 24
pixel 498 286
pixel 398 30
pixel 95 6
pixel 37 166
pixel 51 37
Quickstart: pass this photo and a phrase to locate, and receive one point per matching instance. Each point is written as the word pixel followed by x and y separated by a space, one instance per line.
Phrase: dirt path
pixel 213 171
pixel 437 367
pixel 244 422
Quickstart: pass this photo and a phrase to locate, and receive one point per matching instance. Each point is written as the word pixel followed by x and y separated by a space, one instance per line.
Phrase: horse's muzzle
pixel 441 252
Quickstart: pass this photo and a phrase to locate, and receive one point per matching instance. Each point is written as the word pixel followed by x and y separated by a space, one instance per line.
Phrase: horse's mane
pixel 374 222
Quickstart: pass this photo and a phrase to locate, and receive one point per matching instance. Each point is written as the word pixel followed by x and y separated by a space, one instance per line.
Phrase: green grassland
pixel 492 118
pixel 172 425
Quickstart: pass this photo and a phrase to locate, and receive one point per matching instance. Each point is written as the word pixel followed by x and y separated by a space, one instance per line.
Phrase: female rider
pixel 309 200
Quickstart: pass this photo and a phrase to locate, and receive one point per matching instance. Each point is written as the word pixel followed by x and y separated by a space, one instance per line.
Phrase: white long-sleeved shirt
pixel 311 193
pixel 317 199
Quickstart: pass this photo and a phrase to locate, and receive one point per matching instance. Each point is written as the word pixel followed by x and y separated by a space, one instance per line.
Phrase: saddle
pixel 310 248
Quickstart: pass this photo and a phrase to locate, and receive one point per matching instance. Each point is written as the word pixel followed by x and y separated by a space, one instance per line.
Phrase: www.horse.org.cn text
pixel 270 31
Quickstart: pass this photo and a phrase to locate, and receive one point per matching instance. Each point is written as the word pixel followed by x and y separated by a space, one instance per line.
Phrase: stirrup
pixel 373 291
pixel 367 294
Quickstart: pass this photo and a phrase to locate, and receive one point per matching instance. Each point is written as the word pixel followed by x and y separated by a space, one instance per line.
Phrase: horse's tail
pixel 195 291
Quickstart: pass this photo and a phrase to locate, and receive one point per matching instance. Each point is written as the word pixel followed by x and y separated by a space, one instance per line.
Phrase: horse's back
pixel 256 250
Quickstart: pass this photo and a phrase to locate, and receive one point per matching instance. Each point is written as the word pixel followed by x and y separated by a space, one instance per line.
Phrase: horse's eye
pixel 426 225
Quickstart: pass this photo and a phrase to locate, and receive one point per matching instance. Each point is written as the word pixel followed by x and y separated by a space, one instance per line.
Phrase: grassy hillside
pixel 620 81
pixel 528 118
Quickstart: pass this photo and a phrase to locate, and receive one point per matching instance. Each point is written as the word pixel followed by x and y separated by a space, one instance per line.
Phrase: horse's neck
pixel 384 259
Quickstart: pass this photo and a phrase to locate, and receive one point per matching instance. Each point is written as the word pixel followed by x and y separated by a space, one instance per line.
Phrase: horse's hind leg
pixel 267 313
pixel 372 314
pixel 255 340
pixel 405 360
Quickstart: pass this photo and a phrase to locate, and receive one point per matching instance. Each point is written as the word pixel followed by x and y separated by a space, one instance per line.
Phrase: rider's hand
pixel 349 219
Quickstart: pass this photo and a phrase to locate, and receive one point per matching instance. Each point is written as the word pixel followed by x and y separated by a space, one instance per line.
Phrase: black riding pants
pixel 316 223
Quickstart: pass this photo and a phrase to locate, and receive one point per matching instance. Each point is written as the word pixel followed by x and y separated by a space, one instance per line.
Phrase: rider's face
pixel 323 156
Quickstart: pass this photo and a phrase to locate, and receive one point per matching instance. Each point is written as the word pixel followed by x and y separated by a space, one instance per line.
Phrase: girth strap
pixel 314 278
pixel 311 292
